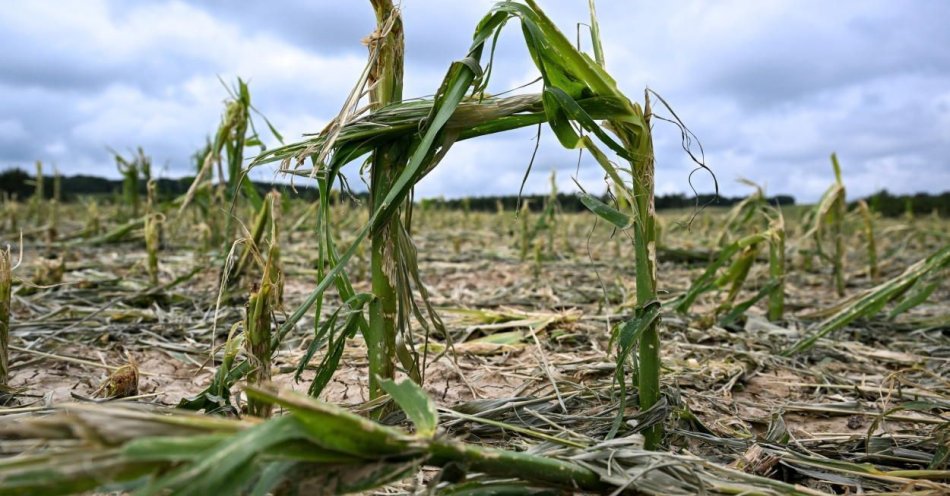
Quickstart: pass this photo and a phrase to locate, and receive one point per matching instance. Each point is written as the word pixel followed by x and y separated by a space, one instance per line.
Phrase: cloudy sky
pixel 771 88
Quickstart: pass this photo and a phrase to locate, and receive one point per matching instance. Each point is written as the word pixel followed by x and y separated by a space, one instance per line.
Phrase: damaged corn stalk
pixel 868 217
pixel 915 285
pixel 52 224
pixel 38 200
pixel 524 243
pixel 577 91
pixel 153 236
pixel 757 223
pixel 235 133
pixel 827 219
pixel 387 160
pixel 6 285
pixel 319 448
pixel 409 139
pixel 257 336
pixel 129 168
pixel 777 268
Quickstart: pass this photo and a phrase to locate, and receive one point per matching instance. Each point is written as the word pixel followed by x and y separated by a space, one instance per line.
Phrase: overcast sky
pixel 771 88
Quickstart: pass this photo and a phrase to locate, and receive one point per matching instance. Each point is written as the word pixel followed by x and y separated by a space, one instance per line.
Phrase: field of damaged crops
pixel 238 340
pixel 523 341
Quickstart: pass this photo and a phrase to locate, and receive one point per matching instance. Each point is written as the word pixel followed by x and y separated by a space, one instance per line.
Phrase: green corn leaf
pixel 172 449
pixel 628 335
pixel 415 403
pixel 332 359
pixel 706 281
pixel 225 461
pixel 606 212
pixel 917 295
pixel 337 429
pixel 874 299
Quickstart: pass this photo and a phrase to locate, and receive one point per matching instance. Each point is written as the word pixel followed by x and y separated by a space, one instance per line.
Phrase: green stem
pixel 645 246
pixel 503 463
pixel 777 270
pixel 837 229
pixel 873 272
pixel 39 195
pixel 387 162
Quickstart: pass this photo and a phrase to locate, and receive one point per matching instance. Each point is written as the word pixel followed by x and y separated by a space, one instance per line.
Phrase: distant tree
pixel 16 182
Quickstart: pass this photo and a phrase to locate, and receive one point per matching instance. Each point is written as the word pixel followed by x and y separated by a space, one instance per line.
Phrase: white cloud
pixel 771 88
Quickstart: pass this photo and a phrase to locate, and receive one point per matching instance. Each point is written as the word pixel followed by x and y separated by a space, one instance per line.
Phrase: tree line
pixel 17 183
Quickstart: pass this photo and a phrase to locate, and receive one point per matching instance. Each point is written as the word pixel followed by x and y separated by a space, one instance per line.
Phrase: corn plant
pixel 93 220
pixel 38 200
pixel 257 332
pixel 153 226
pixel 226 151
pixel 868 218
pixel 524 242
pixel 827 219
pixel 407 140
pixel 756 223
pixel 320 448
pixel 777 268
pixel 548 219
pixel 52 225
pixel 6 283
pixel 12 210
pixel 51 222
pixel 129 169
pixel 917 282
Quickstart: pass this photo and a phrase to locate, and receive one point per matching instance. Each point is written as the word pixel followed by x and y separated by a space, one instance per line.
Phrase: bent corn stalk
pixel 319 448
pixel 873 300
pixel 577 91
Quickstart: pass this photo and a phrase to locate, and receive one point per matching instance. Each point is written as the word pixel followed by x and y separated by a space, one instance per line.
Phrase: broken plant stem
pixel 6 283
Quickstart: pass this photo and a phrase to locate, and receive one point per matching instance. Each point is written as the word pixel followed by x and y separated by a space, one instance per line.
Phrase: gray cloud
pixel 771 88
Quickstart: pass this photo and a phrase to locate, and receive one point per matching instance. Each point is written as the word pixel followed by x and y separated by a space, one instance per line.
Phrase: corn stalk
pixel 153 223
pixel 38 200
pixel 577 91
pixel 318 448
pixel 837 227
pixel 777 268
pixel 235 133
pixel 873 300
pixel 6 284
pixel 868 217
pixel 386 44
pixel 827 218
pixel 257 339
pixel 129 169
